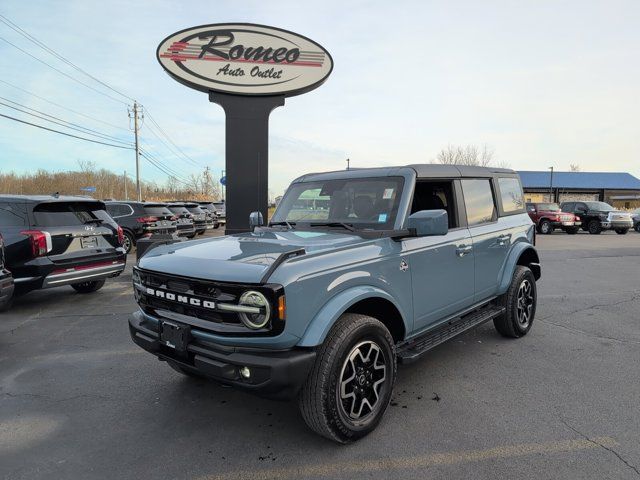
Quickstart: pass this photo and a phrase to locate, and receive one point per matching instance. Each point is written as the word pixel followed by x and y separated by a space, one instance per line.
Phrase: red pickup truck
pixel 548 217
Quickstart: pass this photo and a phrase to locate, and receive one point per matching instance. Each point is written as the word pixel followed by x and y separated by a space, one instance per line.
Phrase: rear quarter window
pixel 12 215
pixel 478 201
pixel 511 195
pixel 157 210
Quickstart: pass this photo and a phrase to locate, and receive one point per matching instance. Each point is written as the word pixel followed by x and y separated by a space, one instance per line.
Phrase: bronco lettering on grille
pixel 196 302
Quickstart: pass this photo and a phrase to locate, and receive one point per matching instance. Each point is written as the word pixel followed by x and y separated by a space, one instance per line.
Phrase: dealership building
pixel 622 190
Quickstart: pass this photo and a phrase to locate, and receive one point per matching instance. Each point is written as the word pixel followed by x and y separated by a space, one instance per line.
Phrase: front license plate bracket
pixel 174 335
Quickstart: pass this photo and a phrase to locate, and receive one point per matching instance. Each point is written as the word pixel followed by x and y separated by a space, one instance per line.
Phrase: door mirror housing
pixel 255 220
pixel 429 222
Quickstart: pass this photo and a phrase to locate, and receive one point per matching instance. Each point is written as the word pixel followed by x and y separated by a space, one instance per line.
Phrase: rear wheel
pixel 519 303
pixel 88 287
pixel 350 384
pixel 572 230
pixel 622 231
pixel 129 242
pixel 594 227
pixel 545 227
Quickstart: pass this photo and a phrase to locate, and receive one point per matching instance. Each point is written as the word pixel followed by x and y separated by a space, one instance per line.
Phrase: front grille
pixel 214 320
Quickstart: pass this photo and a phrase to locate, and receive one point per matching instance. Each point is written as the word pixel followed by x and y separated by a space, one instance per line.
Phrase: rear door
pixel 78 229
pixel 490 241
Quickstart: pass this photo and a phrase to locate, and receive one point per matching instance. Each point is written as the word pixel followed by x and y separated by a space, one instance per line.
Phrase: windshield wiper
pixel 290 225
pixel 346 226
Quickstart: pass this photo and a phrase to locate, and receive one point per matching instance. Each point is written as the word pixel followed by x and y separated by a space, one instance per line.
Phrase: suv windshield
pixel 362 202
pixel 599 206
pixel 548 207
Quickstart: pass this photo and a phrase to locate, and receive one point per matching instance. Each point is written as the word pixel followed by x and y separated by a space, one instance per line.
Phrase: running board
pixel 413 349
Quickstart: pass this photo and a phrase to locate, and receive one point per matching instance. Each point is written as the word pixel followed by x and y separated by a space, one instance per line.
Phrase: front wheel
pixel 622 231
pixel 519 303
pixel 88 287
pixel 594 227
pixel 350 384
pixel 545 227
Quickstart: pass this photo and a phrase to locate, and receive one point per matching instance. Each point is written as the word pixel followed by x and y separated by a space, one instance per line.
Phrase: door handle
pixel 504 239
pixel 463 250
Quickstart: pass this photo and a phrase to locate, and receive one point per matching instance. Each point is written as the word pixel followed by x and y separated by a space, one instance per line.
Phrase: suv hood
pixel 242 258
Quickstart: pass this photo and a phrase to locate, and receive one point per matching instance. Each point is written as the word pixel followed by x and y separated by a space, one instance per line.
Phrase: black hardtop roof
pixel 47 198
pixel 422 171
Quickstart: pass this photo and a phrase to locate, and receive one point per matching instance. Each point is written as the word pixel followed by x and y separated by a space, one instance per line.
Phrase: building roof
pixel 580 180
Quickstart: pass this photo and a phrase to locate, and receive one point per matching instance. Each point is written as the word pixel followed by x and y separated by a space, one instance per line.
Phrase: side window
pixel 478 201
pixel 511 195
pixel 568 207
pixel 112 209
pixel 12 215
pixel 435 196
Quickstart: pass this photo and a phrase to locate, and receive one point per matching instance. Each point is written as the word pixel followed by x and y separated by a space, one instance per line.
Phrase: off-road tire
pixel 129 243
pixel 88 287
pixel 318 398
pixel 216 226
pixel 178 368
pixel 545 227
pixel 622 231
pixel 594 227
pixel 572 230
pixel 508 324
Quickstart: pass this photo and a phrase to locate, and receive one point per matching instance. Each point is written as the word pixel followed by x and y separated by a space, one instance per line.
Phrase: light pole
pixel 551 199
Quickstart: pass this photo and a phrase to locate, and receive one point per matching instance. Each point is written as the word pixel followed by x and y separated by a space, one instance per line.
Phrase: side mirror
pixel 429 222
pixel 255 220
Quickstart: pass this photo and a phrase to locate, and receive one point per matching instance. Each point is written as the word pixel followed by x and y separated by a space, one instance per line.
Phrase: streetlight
pixel 551 199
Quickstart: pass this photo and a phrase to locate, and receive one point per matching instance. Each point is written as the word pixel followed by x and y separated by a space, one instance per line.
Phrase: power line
pixel 63 133
pixel 61 72
pixel 184 155
pixel 61 122
pixel 168 169
pixel 42 45
pixel 161 168
pixel 63 107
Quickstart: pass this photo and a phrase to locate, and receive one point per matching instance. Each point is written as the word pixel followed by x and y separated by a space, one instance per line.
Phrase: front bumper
pixel 605 224
pixel 560 224
pixel 274 373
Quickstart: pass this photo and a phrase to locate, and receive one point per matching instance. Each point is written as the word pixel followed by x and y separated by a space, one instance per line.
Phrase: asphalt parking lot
pixel 79 400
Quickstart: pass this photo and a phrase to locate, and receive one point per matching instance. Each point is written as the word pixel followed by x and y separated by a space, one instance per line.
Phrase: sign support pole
pixel 246 156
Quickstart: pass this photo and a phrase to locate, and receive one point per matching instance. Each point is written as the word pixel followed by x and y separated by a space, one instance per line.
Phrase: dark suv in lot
pixel 141 219
pixel 52 241
pixel 210 210
pixel 184 218
pixel 201 220
pixel 599 216
pixel 6 281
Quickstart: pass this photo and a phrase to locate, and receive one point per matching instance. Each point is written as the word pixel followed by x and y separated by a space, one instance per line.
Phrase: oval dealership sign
pixel 245 59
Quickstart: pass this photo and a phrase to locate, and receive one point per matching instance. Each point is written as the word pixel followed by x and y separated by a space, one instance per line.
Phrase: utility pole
pixel 126 194
pixel 137 110
pixel 551 199
pixel 348 163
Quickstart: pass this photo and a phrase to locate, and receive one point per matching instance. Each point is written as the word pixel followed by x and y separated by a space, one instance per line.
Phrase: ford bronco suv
pixel 357 270
pixel 548 217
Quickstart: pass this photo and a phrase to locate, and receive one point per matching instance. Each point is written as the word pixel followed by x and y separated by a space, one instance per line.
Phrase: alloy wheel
pixel 362 380
pixel 524 303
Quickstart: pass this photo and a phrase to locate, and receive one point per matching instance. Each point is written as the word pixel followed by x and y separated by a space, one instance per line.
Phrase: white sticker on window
pixel 382 218
pixel 388 193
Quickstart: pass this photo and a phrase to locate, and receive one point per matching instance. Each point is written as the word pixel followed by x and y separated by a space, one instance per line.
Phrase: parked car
pixel 185 225
pixel 200 218
pixel 321 304
pixel 6 281
pixel 221 212
pixel 141 219
pixel 548 217
pixel 210 210
pixel 599 216
pixel 52 241
pixel 635 215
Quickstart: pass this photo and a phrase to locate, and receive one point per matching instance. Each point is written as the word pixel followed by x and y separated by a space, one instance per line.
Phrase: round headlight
pixel 254 299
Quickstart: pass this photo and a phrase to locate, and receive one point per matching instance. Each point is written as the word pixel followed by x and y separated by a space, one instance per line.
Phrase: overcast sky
pixel 543 83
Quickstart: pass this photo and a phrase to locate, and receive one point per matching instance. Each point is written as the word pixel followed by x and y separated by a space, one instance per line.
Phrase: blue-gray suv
pixel 356 271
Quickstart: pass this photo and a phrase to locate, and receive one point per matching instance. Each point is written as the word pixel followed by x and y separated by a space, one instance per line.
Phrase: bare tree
pixel 468 155
pixel 574 167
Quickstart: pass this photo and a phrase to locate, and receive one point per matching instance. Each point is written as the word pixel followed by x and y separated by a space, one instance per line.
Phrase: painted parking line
pixel 340 469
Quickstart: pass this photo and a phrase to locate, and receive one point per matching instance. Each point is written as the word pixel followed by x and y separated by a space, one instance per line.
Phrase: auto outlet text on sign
pixel 245 59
